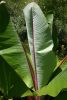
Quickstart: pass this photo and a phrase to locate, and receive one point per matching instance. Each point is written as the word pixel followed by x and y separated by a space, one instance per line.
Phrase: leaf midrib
pixel 34 56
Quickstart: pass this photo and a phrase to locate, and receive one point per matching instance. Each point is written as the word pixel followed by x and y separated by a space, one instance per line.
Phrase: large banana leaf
pixel 55 86
pixel 40 43
pixel 14 72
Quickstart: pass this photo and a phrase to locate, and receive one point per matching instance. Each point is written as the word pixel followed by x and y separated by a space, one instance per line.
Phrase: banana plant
pixel 30 74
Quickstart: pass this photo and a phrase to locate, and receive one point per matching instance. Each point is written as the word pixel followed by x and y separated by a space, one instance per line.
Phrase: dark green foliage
pixel 62 96
pixel 3 22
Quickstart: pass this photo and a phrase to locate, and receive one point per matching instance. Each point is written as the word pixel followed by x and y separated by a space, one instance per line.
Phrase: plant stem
pixel 62 61
pixel 33 98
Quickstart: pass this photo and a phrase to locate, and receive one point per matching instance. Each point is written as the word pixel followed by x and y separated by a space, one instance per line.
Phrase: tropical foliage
pixel 32 72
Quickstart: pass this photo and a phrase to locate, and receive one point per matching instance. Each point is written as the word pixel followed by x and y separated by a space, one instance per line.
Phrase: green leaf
pixel 40 43
pixel 15 78
pixel 55 86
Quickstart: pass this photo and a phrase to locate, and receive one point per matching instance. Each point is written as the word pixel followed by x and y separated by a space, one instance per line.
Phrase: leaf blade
pixel 14 72
pixel 40 43
pixel 55 86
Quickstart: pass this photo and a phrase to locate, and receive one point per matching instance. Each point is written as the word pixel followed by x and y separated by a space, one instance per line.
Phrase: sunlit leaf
pixel 15 78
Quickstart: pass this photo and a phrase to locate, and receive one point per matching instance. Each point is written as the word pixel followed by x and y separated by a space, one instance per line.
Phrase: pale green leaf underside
pixel 40 42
